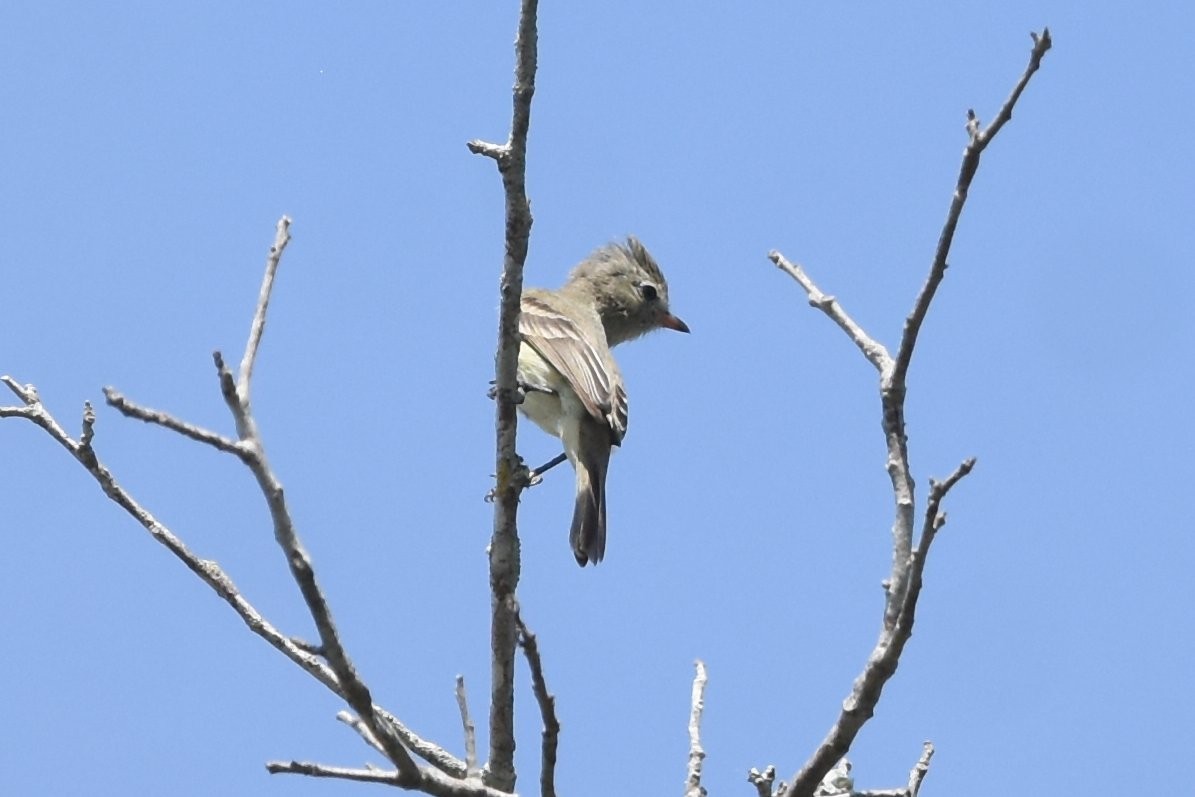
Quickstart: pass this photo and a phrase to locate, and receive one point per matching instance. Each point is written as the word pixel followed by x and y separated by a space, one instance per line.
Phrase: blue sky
pixel 147 152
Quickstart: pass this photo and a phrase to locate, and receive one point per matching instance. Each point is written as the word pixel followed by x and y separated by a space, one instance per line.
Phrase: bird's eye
pixel 649 291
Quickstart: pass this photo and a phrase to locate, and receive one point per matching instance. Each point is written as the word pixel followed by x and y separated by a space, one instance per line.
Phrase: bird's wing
pixel 566 346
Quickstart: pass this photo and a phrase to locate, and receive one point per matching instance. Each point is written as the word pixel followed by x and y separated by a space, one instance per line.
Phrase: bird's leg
pixel 537 475
pixel 521 391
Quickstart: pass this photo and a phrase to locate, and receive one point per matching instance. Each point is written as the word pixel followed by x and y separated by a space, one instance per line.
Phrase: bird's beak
pixel 672 322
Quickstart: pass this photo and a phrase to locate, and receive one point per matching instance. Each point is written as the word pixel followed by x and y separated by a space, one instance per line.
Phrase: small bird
pixel 572 386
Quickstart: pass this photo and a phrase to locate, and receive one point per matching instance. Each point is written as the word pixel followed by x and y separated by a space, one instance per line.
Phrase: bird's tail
pixel 588 534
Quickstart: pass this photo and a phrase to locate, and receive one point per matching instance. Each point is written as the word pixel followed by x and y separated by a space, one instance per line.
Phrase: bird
pixel 572 387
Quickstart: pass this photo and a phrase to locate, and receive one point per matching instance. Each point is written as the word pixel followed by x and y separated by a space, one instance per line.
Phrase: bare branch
pixel 432 753
pixel 763 781
pixel 978 142
pixel 215 577
pixel 312 770
pixel 129 409
pixel 88 433
pixel 252 452
pixel 462 702
pixel 26 393
pixel 872 349
pixel 920 769
pixel 916 776
pixel 511 474
pixel 934 520
pixel 904 584
pixel 339 675
pixel 257 328
pixel 547 709
pixel 353 721
pixel 496 151
pixel 208 571
pixel 431 781
pixel 232 400
pixel 32 410
pixel 693 787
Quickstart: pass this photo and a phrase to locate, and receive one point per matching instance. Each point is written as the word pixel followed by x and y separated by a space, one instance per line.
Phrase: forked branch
pixel 904 583
pixel 329 662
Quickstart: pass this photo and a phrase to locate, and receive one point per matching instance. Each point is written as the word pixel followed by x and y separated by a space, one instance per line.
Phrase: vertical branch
pixel 693 787
pixel 904 583
pixel 462 702
pixel 281 239
pixel 547 710
pixel 511 476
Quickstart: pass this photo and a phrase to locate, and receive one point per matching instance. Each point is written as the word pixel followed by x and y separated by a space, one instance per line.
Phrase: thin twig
pixel 430 752
pixel 693 787
pixel 339 674
pixel 378 727
pixel 511 474
pixel 257 328
pixel 313 770
pixel 872 349
pixel 433 754
pixel 547 710
pixel 934 520
pixel 978 142
pixel 252 453
pixel 208 571
pixel 920 769
pixel 916 776
pixel 904 583
pixel 353 721
pixel 462 702
pixel 129 409
pixel 431 781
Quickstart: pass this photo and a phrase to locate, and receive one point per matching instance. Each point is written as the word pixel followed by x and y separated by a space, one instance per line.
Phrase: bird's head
pixel 628 289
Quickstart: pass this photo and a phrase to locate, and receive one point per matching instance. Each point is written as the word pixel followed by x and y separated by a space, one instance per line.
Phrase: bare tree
pixel 423 765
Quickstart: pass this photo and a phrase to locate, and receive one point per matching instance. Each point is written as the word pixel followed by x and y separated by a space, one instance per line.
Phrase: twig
pixel 338 674
pixel 978 142
pixel 353 721
pixel 916 776
pixel 312 770
pixel 872 349
pixel 431 781
pixel 934 520
pixel 257 328
pixel 904 584
pixel 433 754
pixel 511 474
pixel 129 409
pixel 547 710
pixel 920 769
pixel 462 702
pixel 762 781
pixel 693 787
pixel 430 752
pixel 251 449
pixel 208 571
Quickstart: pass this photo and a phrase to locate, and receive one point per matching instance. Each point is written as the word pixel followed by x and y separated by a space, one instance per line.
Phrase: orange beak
pixel 672 322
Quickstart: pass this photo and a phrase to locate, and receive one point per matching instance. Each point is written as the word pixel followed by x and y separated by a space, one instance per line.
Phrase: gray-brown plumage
pixel 573 387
